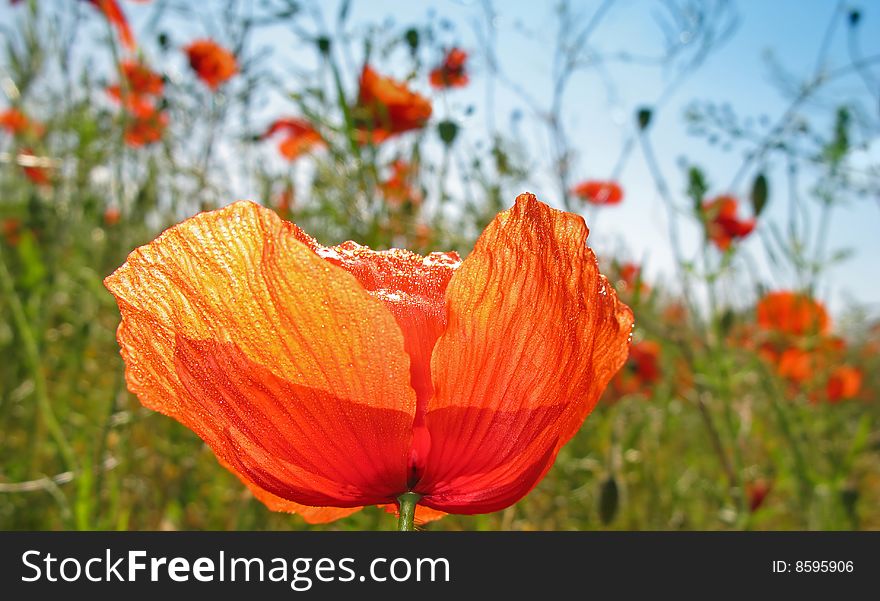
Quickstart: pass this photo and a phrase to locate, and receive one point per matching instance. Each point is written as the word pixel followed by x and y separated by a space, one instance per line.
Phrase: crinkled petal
pixel 413 288
pixel 312 515
pixel 294 375
pixel 534 335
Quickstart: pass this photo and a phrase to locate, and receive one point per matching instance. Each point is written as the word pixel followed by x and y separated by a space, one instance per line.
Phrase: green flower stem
pixel 407 507
pixel 31 354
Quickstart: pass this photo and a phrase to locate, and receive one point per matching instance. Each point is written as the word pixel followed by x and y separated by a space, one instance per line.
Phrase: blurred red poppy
pixel 141 79
pixel 631 279
pixel 451 72
pixel 796 364
pixel 116 17
pixel 756 493
pixel 13 121
pixel 11 229
pixel 398 188
pixel 112 215
pixel 598 192
pixel 30 165
pixel 213 64
pixel 792 313
pixel 299 137
pixel 722 224
pixel 146 128
pixel 640 372
pixel 285 200
pixel 645 357
pixel 329 378
pixel 17 123
pixel 141 83
pixel 386 108
pixel 845 382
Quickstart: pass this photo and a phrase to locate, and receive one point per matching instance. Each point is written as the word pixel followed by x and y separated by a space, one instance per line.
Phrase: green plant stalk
pixel 715 439
pixel 216 118
pixel 346 110
pixel 101 447
pixel 732 432
pixel 720 367
pixel 32 356
pixel 407 509
pixel 85 493
pixel 821 243
pixel 350 130
pixel 711 428
pixel 666 196
pixel 804 478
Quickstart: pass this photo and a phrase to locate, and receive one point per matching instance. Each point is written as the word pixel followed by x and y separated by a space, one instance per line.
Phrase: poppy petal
pixel 296 442
pixel 116 17
pixel 312 515
pixel 387 107
pixel 291 372
pixel 411 286
pixel 534 335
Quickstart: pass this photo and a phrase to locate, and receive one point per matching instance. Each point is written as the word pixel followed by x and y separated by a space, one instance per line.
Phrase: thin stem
pixel 821 243
pixel 407 508
pixel 32 356
pixel 666 196
pixel 715 438
pixel 826 39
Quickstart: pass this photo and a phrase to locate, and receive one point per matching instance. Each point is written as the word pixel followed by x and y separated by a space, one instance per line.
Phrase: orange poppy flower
pixel 14 121
pixel 141 83
pixel 285 200
pixel 17 123
pixel 116 17
pixel 796 364
pixel 386 107
pixel 141 79
pixel 142 107
pixel 11 231
pixel 807 362
pixel 330 378
pixel 451 72
pixel 722 224
pixel 212 62
pixel 112 214
pixel 146 127
pixel 845 382
pixel 398 188
pixel 756 493
pixel 598 192
pixel 35 172
pixel 792 313
pixel 645 356
pixel 299 137
pixel 641 371
pixel 631 279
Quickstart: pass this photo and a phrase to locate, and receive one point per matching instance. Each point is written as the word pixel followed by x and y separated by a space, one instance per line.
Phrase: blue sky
pixel 599 122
